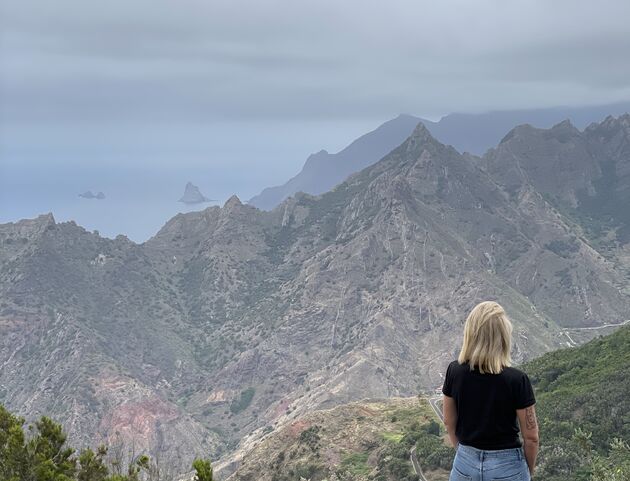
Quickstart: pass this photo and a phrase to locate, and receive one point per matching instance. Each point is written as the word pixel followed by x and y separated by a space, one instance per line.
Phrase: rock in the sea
pixel 192 195
pixel 90 195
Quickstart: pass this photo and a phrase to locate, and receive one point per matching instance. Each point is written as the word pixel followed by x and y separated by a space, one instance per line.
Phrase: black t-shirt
pixel 486 405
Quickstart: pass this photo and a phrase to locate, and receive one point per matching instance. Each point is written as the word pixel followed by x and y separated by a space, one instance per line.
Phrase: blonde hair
pixel 487 339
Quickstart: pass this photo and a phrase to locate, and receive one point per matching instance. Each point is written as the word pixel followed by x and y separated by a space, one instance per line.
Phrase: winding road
pixel 592 328
pixel 416 464
pixel 433 402
pixel 573 343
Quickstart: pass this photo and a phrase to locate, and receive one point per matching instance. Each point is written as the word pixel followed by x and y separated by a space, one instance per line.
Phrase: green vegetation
pixel 394 462
pixel 584 410
pixel 431 451
pixel 203 469
pixel 614 467
pixel 306 470
pixel 40 453
pixel 393 437
pixel 372 442
pixel 356 464
pixel 311 437
pixel 562 248
pixel 243 402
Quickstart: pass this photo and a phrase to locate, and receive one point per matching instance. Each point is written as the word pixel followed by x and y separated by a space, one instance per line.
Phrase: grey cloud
pixel 191 60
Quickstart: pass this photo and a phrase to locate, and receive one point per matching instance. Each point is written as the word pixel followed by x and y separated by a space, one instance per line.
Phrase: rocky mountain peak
pixel 33 227
pixel 613 133
pixel 232 202
pixel 422 133
pixel 421 139
pixel 612 120
pixel 315 160
pixel 526 134
pixel 234 209
pixel 565 126
pixel 517 132
pixel 46 219
pixel 611 124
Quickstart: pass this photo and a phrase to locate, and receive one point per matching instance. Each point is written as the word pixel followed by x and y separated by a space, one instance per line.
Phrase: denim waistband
pixel 481 454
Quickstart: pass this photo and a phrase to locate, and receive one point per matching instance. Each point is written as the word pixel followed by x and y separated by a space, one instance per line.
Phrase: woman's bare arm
pixel 450 418
pixel 529 429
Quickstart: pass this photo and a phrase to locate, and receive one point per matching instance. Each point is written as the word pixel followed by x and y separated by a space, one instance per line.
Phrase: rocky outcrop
pixel 90 195
pixel 192 195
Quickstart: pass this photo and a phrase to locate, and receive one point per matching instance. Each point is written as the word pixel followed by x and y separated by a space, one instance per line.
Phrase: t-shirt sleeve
pixel 524 393
pixel 447 388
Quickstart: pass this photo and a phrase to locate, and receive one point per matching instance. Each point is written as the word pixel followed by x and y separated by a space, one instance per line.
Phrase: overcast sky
pixel 247 89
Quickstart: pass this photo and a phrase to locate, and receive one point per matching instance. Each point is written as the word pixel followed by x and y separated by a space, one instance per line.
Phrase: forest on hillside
pixel 584 410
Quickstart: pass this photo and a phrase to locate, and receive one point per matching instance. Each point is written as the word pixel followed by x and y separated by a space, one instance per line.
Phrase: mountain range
pixel 232 321
pixel 474 133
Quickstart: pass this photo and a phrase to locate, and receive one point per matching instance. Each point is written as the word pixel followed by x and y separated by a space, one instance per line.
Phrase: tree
pixel 92 466
pixel 13 462
pixel 50 459
pixel 41 454
pixel 203 470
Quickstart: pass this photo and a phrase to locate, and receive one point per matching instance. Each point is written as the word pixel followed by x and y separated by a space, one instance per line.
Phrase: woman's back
pixel 486 405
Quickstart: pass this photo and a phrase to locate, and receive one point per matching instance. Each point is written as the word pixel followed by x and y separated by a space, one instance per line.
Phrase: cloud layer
pixel 194 60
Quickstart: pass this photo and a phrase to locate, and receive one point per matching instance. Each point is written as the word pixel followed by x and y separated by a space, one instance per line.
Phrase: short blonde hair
pixel 487 339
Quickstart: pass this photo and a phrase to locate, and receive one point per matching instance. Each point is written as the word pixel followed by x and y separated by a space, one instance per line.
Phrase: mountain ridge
pixel 474 133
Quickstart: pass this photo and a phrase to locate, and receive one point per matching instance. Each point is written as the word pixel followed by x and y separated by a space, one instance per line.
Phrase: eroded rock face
pixel 232 320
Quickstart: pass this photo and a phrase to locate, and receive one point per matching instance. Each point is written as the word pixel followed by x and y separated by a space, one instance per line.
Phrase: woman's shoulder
pixel 455 367
pixel 514 373
pixel 453 364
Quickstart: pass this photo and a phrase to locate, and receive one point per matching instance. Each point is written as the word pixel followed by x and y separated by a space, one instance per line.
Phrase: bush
pixel 243 402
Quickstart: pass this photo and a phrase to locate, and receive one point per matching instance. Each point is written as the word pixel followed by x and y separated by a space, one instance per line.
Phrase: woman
pixel 484 398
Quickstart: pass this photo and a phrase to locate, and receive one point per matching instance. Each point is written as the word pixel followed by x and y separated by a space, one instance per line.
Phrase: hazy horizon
pixel 137 99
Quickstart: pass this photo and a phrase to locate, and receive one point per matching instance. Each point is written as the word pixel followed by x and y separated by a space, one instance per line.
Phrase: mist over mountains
pixel 233 320
pixel 474 133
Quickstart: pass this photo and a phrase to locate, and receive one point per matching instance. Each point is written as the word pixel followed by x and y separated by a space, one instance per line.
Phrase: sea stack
pixel 90 195
pixel 192 195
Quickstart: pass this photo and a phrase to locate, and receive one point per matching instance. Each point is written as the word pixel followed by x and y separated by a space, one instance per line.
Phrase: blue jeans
pixel 472 464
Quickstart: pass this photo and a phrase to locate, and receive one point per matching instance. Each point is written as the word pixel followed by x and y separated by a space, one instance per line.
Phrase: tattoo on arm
pixel 530 418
